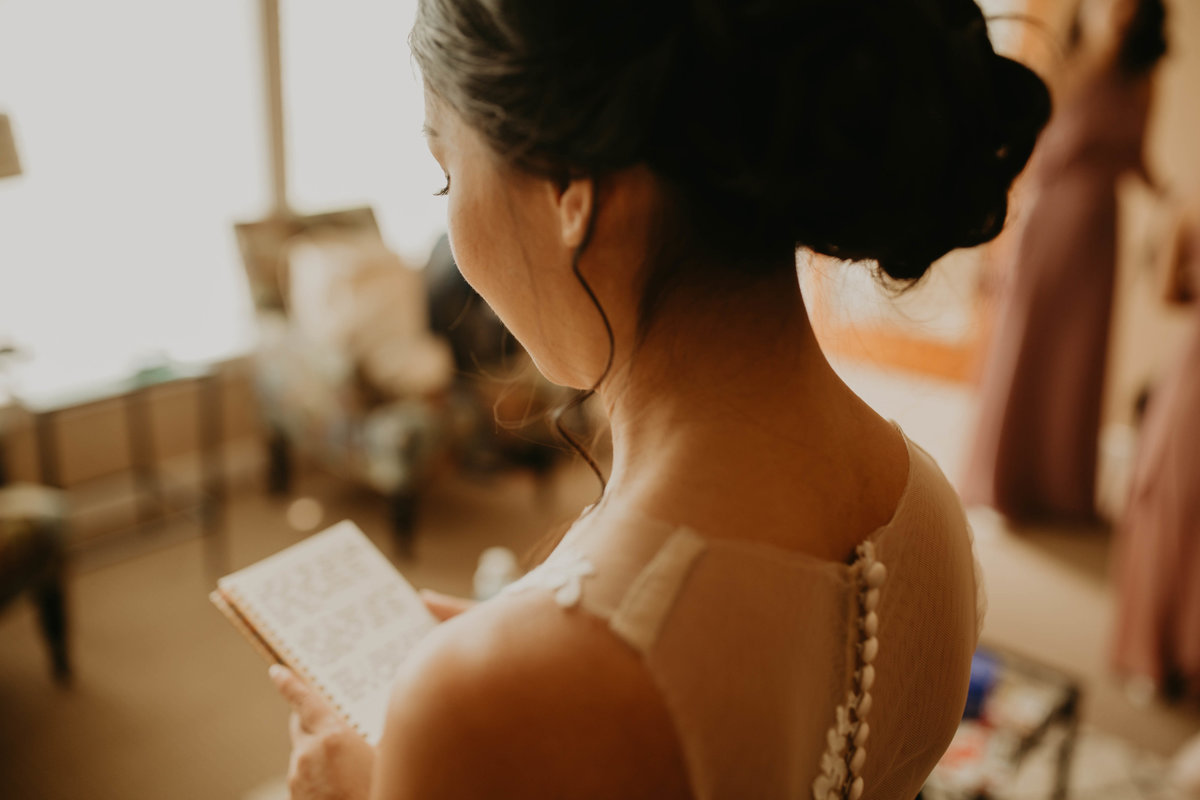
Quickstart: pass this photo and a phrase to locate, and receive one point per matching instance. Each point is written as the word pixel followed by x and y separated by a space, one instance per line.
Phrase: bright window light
pixel 141 131
pixel 354 107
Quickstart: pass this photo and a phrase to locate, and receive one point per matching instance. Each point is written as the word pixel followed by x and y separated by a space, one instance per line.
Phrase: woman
pixel 1158 611
pixel 1034 450
pixel 771 564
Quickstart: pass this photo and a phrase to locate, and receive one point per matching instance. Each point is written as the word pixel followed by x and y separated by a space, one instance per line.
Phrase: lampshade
pixel 10 164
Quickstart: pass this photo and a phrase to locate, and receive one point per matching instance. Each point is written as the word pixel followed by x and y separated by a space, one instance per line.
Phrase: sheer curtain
pixel 140 126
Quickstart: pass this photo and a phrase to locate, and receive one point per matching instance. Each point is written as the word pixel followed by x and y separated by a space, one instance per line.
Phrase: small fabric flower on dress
pixel 563 574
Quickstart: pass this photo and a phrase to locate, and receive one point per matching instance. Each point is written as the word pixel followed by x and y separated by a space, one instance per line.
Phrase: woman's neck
pixel 729 415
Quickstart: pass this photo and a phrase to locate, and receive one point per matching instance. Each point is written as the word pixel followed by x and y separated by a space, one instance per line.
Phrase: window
pixel 353 104
pixel 139 126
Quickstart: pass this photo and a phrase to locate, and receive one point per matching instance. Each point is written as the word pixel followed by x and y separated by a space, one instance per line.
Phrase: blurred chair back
pixel 264 244
pixel 347 370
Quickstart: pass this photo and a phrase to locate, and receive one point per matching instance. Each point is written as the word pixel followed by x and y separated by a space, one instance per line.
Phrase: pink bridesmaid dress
pixel 1033 454
pixel 1158 542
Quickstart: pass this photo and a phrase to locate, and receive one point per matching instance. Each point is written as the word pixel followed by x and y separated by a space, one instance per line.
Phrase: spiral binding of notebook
pixel 293 607
pixel 272 648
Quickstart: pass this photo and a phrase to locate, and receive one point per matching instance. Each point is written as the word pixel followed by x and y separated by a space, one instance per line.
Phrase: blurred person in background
pixel 1157 642
pixel 1034 449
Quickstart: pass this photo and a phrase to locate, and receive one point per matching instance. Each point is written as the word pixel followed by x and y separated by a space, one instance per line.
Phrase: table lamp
pixel 10 164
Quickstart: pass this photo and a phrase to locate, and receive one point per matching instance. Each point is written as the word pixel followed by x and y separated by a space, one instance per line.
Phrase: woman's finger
pixel 310 707
pixel 296 728
pixel 444 606
pixel 291 687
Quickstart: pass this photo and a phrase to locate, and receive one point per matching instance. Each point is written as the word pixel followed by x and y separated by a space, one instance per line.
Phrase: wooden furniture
pixel 133 393
pixel 316 395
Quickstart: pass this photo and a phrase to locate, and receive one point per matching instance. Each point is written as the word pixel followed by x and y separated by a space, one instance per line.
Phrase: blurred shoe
pixel 1185 768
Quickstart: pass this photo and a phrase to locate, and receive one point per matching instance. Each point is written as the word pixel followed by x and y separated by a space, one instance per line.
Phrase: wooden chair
pixel 321 401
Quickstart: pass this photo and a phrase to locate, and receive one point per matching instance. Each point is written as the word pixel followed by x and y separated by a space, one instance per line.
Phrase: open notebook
pixel 334 610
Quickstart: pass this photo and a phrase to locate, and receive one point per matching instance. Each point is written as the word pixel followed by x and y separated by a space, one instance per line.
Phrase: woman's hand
pixel 330 761
pixel 444 606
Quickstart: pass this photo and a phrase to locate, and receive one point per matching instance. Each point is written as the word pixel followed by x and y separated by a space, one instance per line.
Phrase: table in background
pixel 133 394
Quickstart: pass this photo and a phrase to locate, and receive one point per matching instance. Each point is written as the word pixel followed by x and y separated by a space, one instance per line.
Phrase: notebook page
pixel 341 615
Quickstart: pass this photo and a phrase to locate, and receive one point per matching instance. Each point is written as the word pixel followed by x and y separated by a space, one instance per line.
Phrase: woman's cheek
pixel 463 245
pixel 483 254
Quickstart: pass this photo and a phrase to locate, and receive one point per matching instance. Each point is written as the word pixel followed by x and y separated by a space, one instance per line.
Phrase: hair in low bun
pixel 995 136
pixel 860 129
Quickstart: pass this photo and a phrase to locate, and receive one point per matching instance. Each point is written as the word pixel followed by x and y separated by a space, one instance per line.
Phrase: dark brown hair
pixel 888 131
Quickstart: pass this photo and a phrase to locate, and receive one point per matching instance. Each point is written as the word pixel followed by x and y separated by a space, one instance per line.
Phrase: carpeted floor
pixel 169 702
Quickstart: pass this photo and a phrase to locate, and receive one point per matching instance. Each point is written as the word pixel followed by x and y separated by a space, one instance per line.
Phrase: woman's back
pixel 758 653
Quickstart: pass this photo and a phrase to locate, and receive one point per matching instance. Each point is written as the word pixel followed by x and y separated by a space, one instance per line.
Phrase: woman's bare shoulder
pixel 522 698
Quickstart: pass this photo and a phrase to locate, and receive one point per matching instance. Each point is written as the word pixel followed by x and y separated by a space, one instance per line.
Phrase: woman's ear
pixel 575 202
